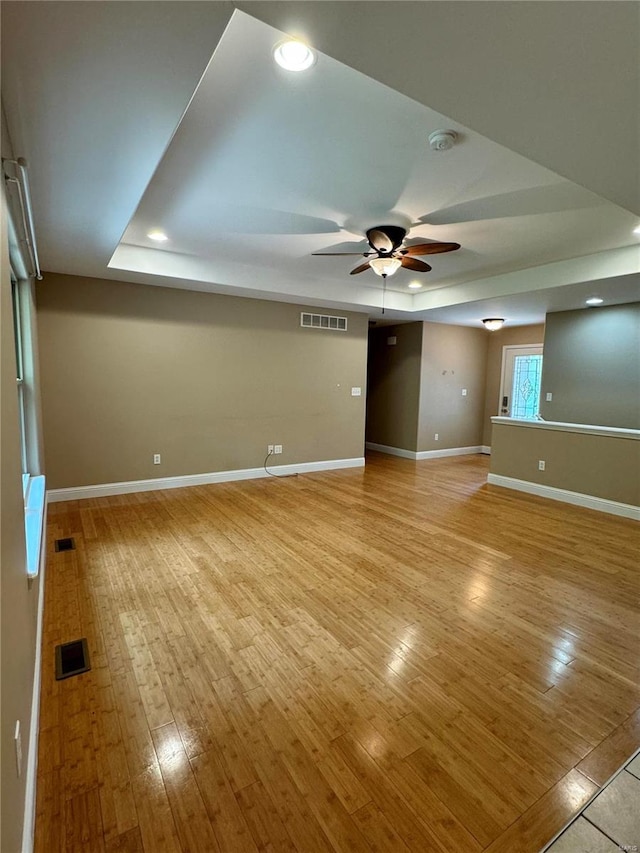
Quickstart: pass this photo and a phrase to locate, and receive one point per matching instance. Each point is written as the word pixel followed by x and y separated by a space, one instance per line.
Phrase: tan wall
pixel 453 358
pixel 507 336
pixel 19 598
pixel 591 366
pixel 393 394
pixel 588 464
pixel 205 380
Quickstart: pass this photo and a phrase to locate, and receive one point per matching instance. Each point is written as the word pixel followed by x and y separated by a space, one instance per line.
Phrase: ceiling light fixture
pixel 158 236
pixel 294 55
pixel 385 266
pixel 415 285
pixel 493 323
pixel 636 230
pixel 595 300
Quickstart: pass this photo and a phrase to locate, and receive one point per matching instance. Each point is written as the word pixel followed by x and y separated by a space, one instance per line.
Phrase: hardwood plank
pixel 263 820
pixel 547 815
pixel 343 781
pixel 192 822
pixel 226 817
pixel 50 813
pixel 128 842
pixel 83 823
pixel 603 761
pixel 379 832
pixel 155 818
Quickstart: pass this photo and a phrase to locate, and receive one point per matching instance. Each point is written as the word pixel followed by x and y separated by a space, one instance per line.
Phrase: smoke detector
pixel 442 140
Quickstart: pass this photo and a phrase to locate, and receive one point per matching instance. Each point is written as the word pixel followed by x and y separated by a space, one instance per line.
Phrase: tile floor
pixel 611 820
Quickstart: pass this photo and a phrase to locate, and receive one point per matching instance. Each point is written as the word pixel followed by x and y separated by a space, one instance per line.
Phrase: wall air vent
pixel 323 321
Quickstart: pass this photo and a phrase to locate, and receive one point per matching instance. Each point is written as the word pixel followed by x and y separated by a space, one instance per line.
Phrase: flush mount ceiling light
pixel 493 323
pixel 636 230
pixel 294 55
pixel 595 300
pixel 415 285
pixel 158 236
pixel 385 266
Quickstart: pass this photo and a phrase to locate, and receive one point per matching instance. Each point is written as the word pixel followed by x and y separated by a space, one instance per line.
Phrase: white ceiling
pixel 173 115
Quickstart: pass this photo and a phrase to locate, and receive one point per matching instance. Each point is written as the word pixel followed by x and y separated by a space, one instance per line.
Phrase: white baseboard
pixel 29 822
pixel 424 454
pixel 448 451
pixel 390 451
pixel 576 498
pixel 105 489
pixel 486 449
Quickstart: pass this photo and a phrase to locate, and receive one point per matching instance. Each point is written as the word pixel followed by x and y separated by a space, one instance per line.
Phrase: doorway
pixel 520 381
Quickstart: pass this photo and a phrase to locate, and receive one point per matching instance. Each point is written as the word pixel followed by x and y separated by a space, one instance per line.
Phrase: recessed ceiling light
pixel 158 236
pixel 415 285
pixel 636 230
pixel 595 300
pixel 294 55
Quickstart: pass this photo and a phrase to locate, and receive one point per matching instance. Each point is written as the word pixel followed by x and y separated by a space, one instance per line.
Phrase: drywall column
pixel 591 366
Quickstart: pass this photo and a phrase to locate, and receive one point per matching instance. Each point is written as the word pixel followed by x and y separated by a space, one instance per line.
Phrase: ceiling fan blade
pixel 413 264
pixel 343 254
pixel 361 268
pixel 430 248
pixel 379 240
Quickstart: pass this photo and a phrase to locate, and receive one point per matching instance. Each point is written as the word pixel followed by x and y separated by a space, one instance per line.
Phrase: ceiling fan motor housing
pixel 394 235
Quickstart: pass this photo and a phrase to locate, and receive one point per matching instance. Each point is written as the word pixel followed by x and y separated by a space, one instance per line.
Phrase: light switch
pixel 548 396
pixel 464 392
pixel 392 341
pixel 356 392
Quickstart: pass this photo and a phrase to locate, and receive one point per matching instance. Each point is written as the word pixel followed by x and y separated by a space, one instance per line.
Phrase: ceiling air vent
pixel 323 321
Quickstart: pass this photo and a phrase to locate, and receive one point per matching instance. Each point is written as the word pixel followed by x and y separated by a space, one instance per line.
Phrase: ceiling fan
pixel 388 253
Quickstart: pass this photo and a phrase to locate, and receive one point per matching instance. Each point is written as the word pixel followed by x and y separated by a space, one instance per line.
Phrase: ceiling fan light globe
pixel 385 266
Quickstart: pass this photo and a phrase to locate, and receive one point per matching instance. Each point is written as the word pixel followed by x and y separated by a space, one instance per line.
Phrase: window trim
pixel 33 482
pixel 18 321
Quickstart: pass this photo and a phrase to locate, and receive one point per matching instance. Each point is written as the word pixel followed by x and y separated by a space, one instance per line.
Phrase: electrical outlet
pixel 541 465
pixel 270 448
pixel 277 448
pixel 436 437
pixel 156 459
pixel 17 738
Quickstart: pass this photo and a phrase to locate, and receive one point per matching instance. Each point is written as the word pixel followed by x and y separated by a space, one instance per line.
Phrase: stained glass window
pixel 525 394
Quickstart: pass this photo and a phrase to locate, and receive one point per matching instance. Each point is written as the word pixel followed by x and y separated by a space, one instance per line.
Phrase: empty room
pixel 320 426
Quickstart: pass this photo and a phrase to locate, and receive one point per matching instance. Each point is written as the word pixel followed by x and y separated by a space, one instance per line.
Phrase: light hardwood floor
pixel 392 658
